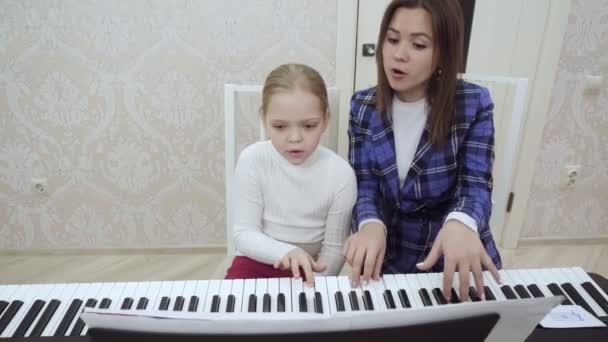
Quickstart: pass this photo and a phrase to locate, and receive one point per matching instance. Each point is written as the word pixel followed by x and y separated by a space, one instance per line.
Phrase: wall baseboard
pixel 563 240
pixel 207 249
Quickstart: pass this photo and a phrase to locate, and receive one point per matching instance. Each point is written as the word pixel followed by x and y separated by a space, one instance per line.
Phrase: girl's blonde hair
pixel 292 76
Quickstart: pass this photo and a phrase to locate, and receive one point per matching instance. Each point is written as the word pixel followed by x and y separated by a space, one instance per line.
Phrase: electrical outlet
pixel 40 185
pixel 571 173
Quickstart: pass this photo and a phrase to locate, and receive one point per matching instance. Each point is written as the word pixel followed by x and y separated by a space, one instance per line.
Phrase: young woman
pixel 294 198
pixel 422 146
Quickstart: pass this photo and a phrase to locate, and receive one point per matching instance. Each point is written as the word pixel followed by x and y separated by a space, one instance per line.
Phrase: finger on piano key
pixel 34 311
pixel 296 289
pixel 200 298
pixel 248 290
pixel 576 284
pixel 345 288
pixel 285 288
pixel 414 286
pixel 261 288
pixel 332 290
pixel 591 287
pixel 493 286
pixel 309 292
pixel 391 285
pixel 273 292
pixel 237 292
pixel 321 295
pixel 225 290
pixel 212 291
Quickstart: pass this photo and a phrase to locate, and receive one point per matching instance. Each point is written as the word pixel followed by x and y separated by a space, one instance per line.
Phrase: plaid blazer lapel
pixel 419 163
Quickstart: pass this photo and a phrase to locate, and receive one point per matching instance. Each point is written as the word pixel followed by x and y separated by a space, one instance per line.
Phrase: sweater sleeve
pixel 337 224
pixel 249 239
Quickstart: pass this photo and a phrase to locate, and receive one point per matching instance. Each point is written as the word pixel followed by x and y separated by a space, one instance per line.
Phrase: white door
pixel 494 36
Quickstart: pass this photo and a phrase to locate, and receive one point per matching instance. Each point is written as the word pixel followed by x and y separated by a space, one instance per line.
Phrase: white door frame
pixel 493 36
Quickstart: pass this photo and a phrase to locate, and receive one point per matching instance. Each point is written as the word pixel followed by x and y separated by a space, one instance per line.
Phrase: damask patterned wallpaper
pixel 576 132
pixel 119 104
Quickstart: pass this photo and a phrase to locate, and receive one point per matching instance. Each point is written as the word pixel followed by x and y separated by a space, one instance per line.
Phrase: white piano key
pixel 491 283
pixel 104 292
pixel 237 292
pixel 518 279
pixel 189 291
pixel 359 295
pixel 176 290
pixel 54 292
pixel 296 289
pixel 321 287
pixel 332 288
pixel 572 279
pixel 261 288
pixel 31 293
pixel 64 296
pixel 409 280
pixel 83 293
pixel 201 292
pixel 22 294
pixel 310 296
pixel 345 288
pixel 391 284
pixel 140 291
pixel 165 291
pixel 555 277
pixel 582 277
pixel 528 278
pixel 151 294
pixel 93 293
pixel 6 291
pixel 376 288
pixel 505 275
pixel 212 290
pixel 273 291
pixel 66 301
pixel 224 292
pixel 285 288
pixel 248 290
pixel 128 292
pixel 424 280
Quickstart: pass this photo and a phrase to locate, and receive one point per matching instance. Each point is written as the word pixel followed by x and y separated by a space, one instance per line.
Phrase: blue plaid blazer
pixel 455 177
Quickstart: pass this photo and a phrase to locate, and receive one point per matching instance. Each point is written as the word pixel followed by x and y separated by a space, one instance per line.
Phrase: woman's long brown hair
pixel 448 36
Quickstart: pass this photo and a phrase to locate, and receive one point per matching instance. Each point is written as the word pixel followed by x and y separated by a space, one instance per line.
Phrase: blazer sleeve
pixel 360 157
pixel 473 195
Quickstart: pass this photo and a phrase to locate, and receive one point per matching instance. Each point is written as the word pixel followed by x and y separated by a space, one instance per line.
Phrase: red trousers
pixel 246 268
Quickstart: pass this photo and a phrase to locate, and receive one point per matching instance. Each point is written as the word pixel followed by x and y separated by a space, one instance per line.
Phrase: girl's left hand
pixel 463 252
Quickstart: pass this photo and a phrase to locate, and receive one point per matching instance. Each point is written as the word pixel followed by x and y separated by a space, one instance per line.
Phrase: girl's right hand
pixel 365 249
pixel 297 258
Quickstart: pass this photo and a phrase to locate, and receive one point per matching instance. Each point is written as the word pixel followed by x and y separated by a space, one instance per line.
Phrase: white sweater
pixel 280 206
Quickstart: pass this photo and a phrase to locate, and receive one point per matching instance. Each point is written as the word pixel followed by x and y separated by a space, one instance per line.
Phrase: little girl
pixel 294 198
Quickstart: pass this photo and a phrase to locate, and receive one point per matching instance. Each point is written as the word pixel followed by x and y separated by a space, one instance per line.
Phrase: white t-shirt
pixel 280 206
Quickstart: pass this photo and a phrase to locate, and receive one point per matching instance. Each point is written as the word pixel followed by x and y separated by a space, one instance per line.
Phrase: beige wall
pixel 120 105
pixel 576 132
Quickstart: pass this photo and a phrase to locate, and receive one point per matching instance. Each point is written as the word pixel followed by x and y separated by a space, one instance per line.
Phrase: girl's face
pixel 408 53
pixel 295 122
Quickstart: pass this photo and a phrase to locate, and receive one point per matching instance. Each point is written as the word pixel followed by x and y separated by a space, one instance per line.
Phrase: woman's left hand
pixel 463 252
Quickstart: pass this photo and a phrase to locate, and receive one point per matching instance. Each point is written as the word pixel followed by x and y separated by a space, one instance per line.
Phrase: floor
pixel 18 268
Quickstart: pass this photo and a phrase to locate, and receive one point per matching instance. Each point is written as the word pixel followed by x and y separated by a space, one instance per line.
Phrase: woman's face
pixel 408 53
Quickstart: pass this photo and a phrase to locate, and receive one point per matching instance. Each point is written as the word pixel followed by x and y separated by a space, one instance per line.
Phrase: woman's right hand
pixel 365 250
pixel 297 258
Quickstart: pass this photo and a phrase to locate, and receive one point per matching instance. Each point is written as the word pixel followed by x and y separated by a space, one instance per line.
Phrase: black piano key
pixel 11 311
pixel 439 296
pixel 508 292
pixel 68 317
pixel 557 291
pixel 281 302
pixel 3 305
pixel 535 291
pixel 179 303
pixel 164 303
pixel 473 294
pixel 215 303
pixel 45 318
pixel 105 303
pixel 266 303
pixel 426 299
pixel 389 300
pixel 142 304
pixel 488 294
pixel 27 321
pixel 318 303
pixel 596 295
pixel 230 303
pixel 79 326
pixel 126 304
pixel 253 303
pixel 576 297
pixel 339 301
pixel 303 304
pixel 367 301
pixel 522 292
pixel 354 303
pixel 193 304
pixel 454 297
pixel 405 301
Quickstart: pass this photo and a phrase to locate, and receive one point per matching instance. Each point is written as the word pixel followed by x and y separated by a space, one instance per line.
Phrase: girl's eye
pixel 419 46
pixel 310 126
pixel 279 127
pixel 393 40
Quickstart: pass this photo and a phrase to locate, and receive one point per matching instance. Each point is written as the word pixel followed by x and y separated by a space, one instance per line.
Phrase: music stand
pixel 470 329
